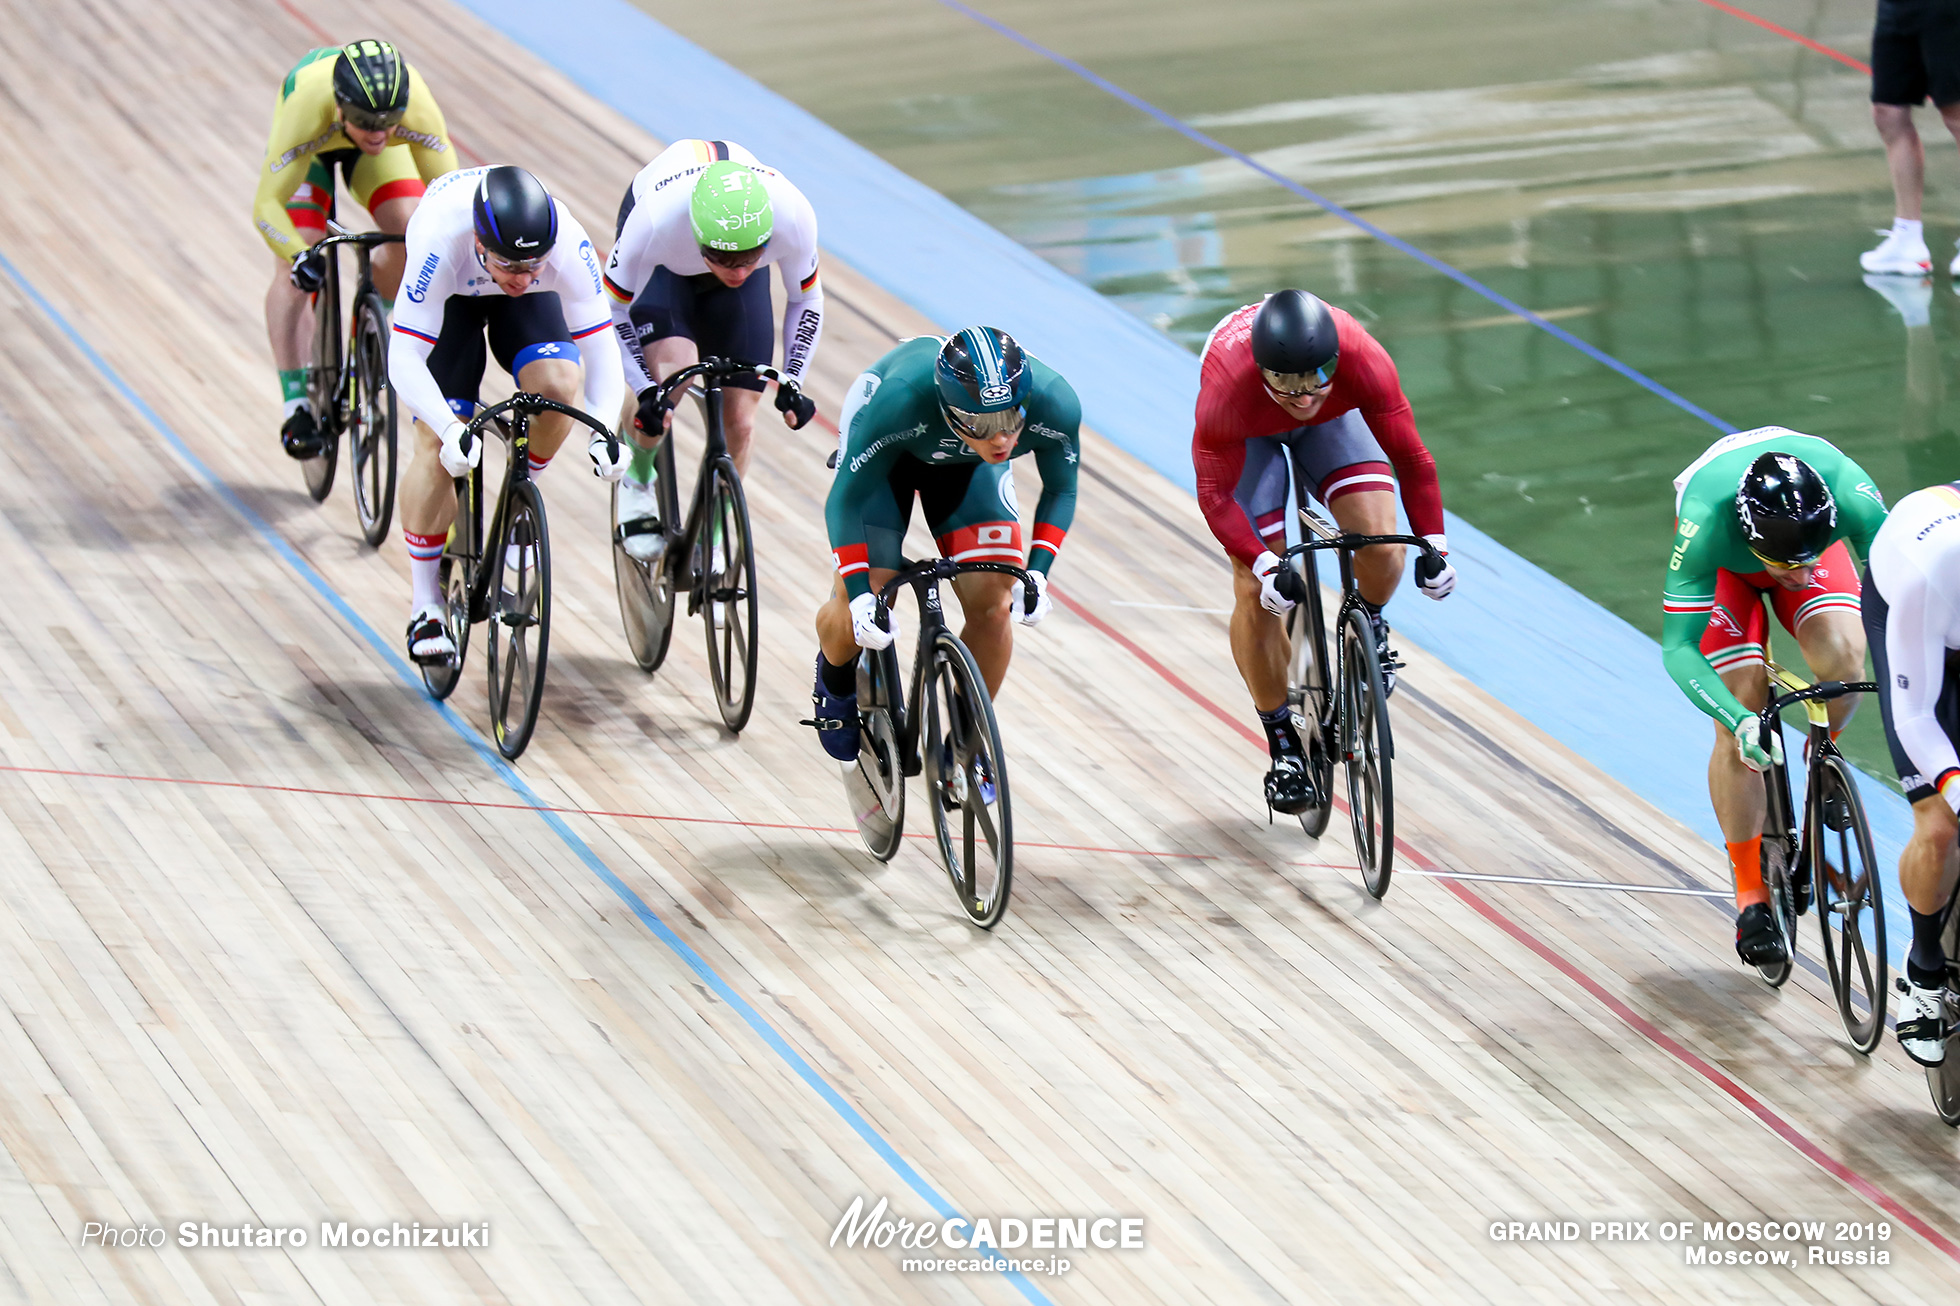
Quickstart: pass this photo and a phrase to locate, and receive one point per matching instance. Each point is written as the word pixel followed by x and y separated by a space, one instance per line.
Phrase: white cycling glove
pixel 1748 735
pixel 1440 585
pixel 864 623
pixel 1041 600
pixel 608 468
pixel 1267 569
pixel 454 460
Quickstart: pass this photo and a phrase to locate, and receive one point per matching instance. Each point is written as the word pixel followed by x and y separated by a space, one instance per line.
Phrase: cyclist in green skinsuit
pixel 942 419
pixel 1763 512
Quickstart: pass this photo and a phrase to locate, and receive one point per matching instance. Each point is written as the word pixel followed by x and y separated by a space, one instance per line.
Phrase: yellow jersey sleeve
pixel 305 124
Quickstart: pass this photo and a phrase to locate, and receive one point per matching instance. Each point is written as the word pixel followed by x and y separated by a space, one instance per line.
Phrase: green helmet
pixel 731 209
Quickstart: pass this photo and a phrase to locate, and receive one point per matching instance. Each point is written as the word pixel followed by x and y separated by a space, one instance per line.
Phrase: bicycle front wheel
pixel 371 421
pixel 323 386
pixel 520 620
pixel 1308 696
pixel 966 782
pixel 1943 1080
pixel 1367 747
pixel 726 569
pixel 461 560
pixel 1782 905
pixel 1850 903
pixel 876 783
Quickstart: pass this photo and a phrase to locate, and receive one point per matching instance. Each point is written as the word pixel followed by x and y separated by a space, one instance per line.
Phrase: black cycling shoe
pixel 836 720
pixel 1391 660
pixel 1289 788
pixel 300 436
pixel 1757 940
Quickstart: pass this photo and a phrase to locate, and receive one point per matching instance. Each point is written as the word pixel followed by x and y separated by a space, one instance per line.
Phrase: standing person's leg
pixel 1899 81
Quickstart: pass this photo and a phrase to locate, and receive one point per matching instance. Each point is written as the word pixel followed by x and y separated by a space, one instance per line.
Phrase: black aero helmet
pixel 1293 337
pixel 370 83
pixel 513 213
pixel 1787 513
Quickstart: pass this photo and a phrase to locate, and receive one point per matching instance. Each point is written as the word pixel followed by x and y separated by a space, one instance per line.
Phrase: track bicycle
pixel 945 728
pixel 709 557
pixel 347 384
pixel 499 572
pixel 1829 855
pixel 1342 704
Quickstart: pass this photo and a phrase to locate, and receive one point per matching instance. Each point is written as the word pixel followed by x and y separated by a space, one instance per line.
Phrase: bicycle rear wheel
pixel 460 561
pixel 727 568
pixel 876 783
pixel 520 620
pixel 1367 747
pixel 371 421
pixel 1850 903
pixel 966 782
pixel 1308 696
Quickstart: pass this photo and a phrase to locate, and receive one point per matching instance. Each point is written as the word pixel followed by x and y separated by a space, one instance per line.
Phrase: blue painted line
pixel 1428 260
pixel 679 946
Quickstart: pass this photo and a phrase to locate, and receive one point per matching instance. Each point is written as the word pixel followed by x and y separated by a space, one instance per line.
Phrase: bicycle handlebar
pixel 913 573
pixel 531 403
pixel 1823 690
pixel 1349 543
pixel 721 369
pixel 369 239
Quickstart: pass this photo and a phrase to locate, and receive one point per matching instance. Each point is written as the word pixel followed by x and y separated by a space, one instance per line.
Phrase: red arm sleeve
pixel 1218 457
pixel 1394 427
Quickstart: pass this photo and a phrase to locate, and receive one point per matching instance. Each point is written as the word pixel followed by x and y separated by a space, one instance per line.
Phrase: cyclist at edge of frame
pixel 1292 372
pixel 1762 512
pixel 942 418
pixel 360 111
pixel 490 252
pixel 694 229
pixel 1912 619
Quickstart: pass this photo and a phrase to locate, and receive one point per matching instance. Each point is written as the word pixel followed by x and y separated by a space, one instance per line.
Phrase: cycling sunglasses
pixel 985 426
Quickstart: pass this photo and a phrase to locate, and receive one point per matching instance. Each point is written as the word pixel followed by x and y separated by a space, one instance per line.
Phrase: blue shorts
pixel 520 328
pixel 1333 459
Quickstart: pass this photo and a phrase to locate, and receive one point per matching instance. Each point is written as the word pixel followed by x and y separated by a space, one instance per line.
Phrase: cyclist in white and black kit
pixel 490 251
pixel 1912 620
pixel 694 228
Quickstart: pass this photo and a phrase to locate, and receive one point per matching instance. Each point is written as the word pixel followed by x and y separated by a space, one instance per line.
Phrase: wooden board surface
pixel 279 945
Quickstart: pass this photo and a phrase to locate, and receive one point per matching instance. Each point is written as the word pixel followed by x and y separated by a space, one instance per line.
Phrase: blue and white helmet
pixel 981 371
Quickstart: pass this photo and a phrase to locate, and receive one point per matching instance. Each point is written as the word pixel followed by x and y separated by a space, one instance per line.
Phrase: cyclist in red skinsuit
pixel 1293 375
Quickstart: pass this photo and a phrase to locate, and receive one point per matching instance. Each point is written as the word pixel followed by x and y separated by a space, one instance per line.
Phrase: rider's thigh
pixel 554 378
pixel 1833 643
pixel 1370 512
pixel 392 215
pixel 668 356
pixel 1750 685
pixel 984 596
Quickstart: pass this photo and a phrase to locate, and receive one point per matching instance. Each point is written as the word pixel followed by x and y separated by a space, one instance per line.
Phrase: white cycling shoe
pixel 1900 254
pixel 1922 1023
pixel 429 642
pixel 636 523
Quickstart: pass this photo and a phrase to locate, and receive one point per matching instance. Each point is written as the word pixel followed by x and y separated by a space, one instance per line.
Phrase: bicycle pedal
pixel 824 723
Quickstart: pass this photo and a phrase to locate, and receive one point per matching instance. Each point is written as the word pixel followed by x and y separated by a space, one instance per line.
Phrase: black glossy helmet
pixel 514 216
pixel 1295 342
pixel 370 83
pixel 1788 515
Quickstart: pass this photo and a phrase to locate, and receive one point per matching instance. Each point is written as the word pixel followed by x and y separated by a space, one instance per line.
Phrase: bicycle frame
pixel 924 578
pixel 1816 700
pixel 328 303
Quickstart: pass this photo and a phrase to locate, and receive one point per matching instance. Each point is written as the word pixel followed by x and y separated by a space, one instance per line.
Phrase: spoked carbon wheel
pixel 646 601
pixel 1776 878
pixel 1306 695
pixel 1367 747
pixel 876 781
pixel 520 621
pixel 727 562
pixel 371 422
pixel 966 783
pixel 1849 903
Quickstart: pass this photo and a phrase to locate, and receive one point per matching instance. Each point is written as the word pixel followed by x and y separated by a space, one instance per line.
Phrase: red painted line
pixel 526 807
pixel 1798 37
pixel 1777 1125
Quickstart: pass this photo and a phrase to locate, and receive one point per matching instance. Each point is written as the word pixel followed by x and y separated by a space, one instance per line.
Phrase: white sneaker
pixel 637 521
pixel 1898 254
pixel 429 641
pixel 1911 296
pixel 1922 1023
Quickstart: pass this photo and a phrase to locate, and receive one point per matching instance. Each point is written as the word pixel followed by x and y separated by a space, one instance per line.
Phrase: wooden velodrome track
pixel 279 946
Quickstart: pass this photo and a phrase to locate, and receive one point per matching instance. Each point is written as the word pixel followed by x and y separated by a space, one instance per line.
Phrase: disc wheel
pixel 1307 696
pixel 1944 1079
pixel 323 388
pixel 1367 747
pixel 966 783
pixel 876 782
pixel 646 602
pixel 371 421
pixel 725 563
pixel 520 621
pixel 1776 879
pixel 1850 905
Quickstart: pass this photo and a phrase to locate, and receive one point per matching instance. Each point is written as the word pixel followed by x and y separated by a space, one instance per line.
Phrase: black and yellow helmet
pixel 370 83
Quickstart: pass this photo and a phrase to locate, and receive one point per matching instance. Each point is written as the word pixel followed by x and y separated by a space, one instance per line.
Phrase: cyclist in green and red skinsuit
pixel 1763 512
pixel 942 418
